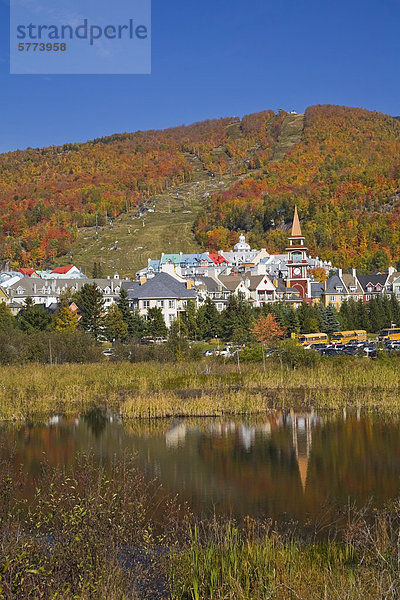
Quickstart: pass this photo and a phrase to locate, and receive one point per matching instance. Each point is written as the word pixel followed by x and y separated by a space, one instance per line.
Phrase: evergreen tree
pixel 155 323
pixel 34 317
pixel 292 322
pixel 208 321
pixel 6 317
pixel 346 322
pixel 308 318
pixel 178 344
pixel 376 315
pixel 94 271
pixel 123 305
pixel 137 326
pixel 395 310
pixel 237 320
pixel 91 306
pixel 331 320
pixel 387 311
pixel 362 316
pixel 189 318
pixel 115 327
pixel 321 316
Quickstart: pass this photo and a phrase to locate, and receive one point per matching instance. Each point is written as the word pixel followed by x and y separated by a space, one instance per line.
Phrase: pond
pixel 283 465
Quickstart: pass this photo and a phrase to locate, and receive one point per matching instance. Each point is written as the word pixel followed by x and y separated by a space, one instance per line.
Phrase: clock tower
pixel 297 260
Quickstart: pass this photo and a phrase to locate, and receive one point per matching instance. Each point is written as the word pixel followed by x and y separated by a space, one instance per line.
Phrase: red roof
pixel 61 270
pixel 218 259
pixel 27 272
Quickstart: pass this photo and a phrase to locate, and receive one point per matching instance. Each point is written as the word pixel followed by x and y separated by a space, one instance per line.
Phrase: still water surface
pixel 282 465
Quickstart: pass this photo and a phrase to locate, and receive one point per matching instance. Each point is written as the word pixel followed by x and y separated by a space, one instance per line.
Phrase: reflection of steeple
pixel 302 441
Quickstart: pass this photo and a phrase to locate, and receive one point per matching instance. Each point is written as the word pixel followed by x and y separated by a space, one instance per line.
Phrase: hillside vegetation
pixel 207 182
pixel 344 176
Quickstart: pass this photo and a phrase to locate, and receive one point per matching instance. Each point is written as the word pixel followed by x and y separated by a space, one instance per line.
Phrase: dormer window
pixel 369 288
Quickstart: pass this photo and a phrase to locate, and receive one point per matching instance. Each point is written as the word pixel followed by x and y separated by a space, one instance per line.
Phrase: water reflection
pixel 282 465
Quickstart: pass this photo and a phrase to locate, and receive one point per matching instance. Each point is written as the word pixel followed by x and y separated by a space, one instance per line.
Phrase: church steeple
pixel 296 228
pixel 297 260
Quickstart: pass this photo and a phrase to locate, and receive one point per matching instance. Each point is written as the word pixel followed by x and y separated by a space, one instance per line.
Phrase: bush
pixel 251 354
pixel 54 347
pixel 293 356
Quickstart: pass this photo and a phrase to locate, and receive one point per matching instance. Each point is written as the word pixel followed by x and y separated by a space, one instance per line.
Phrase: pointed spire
pixel 296 228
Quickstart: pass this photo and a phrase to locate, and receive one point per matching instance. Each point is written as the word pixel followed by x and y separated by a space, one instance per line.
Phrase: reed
pixel 152 390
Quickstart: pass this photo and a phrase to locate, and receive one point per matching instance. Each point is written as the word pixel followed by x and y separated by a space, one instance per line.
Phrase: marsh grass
pixel 204 388
pixel 227 560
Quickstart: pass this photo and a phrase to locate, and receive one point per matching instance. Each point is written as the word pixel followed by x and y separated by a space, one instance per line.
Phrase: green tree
pixel 237 320
pixel 34 317
pixel 376 315
pixel 395 310
pixel 155 323
pixel 291 321
pixel 137 325
pixel 115 327
pixel 189 318
pixel 208 321
pixel 308 318
pixel 331 320
pixel 123 305
pixel 6 317
pixel 178 344
pixel 90 302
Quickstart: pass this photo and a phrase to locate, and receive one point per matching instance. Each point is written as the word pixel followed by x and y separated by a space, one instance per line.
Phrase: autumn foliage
pixel 344 177
pixel 267 330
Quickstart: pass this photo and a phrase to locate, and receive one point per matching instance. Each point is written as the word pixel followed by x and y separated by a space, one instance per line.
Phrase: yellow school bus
pixel 389 334
pixel 309 339
pixel 344 337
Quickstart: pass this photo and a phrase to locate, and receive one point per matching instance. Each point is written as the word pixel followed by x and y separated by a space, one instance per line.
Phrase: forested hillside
pixel 345 178
pixel 46 194
pixel 342 170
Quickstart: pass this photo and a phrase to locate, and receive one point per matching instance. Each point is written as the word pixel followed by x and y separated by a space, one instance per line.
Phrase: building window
pixel 171 303
pixel 160 303
pixel 146 303
pixel 220 306
pixel 171 318
pixel 332 298
pixel 367 297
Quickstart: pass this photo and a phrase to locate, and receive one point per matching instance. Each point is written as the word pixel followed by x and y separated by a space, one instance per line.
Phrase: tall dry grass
pixel 149 390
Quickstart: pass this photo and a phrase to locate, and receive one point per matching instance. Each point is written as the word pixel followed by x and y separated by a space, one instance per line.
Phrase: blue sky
pixel 216 58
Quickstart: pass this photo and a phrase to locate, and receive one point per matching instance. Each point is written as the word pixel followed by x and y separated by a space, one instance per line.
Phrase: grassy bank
pixel 206 388
pixel 92 535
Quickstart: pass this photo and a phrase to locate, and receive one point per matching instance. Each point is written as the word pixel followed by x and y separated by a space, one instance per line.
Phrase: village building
pixel 48 292
pixel 164 291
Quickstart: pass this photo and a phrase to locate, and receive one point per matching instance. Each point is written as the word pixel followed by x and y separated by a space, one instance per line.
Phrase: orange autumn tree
pixel 267 330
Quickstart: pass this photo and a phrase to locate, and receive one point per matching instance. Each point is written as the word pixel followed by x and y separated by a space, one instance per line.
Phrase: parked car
pixel 370 351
